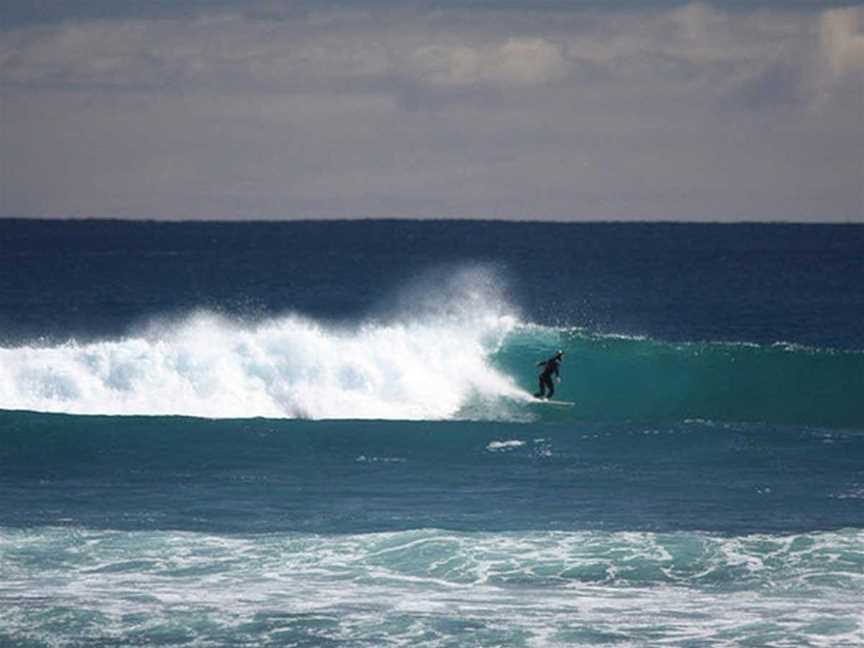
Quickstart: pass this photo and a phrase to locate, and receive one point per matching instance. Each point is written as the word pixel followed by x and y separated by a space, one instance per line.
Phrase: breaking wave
pixel 451 346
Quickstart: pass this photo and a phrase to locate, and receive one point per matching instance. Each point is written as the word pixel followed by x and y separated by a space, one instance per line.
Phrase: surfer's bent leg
pixel 550 384
pixel 545 383
pixel 542 388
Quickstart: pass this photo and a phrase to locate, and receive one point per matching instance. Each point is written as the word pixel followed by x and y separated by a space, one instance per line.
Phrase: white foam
pixel 545 588
pixel 417 365
pixel 504 445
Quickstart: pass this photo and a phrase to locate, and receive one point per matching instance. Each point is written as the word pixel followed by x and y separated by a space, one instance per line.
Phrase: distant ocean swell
pixel 475 362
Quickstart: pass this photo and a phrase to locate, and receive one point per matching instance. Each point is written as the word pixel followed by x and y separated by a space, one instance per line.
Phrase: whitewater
pixel 286 368
pixel 425 359
pixel 505 589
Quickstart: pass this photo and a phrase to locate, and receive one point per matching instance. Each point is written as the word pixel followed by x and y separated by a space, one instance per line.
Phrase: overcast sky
pixel 547 110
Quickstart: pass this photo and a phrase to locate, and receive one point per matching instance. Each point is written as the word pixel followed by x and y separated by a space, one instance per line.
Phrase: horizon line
pixel 408 219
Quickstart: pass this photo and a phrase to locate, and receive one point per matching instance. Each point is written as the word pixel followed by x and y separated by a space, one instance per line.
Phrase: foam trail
pixel 402 368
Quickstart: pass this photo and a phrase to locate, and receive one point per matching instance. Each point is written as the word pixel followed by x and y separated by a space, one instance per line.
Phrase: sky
pixel 486 109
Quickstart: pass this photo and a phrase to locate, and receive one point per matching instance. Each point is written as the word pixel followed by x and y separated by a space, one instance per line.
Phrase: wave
pixel 452 347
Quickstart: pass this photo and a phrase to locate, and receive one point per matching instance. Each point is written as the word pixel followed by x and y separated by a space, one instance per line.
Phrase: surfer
pixel 550 366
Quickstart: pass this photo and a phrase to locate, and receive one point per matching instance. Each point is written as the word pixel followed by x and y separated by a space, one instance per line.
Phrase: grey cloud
pixel 457 49
pixel 779 84
pixel 842 42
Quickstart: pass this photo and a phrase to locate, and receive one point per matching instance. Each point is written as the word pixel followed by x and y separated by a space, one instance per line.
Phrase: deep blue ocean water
pixel 322 434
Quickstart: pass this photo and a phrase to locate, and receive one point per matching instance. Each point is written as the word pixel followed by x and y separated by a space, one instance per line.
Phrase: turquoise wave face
pixel 616 378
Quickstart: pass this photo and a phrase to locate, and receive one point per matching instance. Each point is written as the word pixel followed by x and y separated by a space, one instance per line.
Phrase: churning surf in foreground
pixel 142 530
pixel 309 434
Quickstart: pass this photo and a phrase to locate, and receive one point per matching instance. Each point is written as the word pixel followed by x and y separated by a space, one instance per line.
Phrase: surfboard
pixel 545 401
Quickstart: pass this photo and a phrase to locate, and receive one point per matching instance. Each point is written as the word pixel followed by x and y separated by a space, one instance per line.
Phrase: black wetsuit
pixel 550 367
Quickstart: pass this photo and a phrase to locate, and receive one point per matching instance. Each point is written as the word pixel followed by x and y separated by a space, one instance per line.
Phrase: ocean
pixel 323 434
